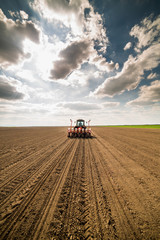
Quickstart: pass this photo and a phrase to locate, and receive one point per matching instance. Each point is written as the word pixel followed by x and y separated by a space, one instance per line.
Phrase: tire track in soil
pixel 82 211
pixel 137 217
pixel 17 152
pixel 18 148
pixel 131 148
pixel 23 161
pixel 14 217
pixel 68 219
pixel 29 172
pixel 126 221
pixel 149 178
pixel 17 194
pixel 105 224
pixel 43 222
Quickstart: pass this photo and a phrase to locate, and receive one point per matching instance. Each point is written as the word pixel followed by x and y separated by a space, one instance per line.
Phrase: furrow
pixel 105 223
pixel 13 218
pixel 26 179
pixel 17 168
pixel 42 225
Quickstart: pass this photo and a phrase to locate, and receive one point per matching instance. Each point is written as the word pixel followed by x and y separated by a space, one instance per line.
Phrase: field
pixel 106 187
pixel 136 126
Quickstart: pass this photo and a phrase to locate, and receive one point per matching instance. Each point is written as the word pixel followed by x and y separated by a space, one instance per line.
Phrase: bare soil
pixel 106 187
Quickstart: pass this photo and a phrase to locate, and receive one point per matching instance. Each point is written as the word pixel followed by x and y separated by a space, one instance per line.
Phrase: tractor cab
pixel 80 123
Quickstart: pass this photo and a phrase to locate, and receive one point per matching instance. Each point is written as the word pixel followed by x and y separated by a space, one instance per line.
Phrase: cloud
pixel 86 28
pixel 22 109
pixel 71 58
pixel 79 106
pixel 12 14
pixel 83 79
pixel 100 62
pixel 23 14
pixel 148 95
pixel 128 46
pixel 85 106
pixel 147 32
pixel 78 15
pixel 74 55
pixel 9 89
pixel 71 13
pixel 13 34
pixel 111 104
pixel 152 76
pixel 133 69
pixel 79 78
pixel 26 75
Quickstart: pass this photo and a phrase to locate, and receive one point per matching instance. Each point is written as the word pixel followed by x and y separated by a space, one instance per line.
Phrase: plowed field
pixel 106 187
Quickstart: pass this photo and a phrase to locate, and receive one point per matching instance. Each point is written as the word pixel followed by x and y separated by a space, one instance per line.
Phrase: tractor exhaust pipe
pixel 71 122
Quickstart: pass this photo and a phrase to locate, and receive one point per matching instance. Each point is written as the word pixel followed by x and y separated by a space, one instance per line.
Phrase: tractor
pixel 80 129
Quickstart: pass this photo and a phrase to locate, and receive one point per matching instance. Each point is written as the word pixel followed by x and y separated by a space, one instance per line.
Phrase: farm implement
pixel 80 129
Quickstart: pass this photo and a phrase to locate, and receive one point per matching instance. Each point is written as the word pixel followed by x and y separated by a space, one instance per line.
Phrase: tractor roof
pixel 80 120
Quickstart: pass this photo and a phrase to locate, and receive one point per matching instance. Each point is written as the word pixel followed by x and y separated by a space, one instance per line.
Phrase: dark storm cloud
pixel 8 90
pixel 71 58
pixel 11 39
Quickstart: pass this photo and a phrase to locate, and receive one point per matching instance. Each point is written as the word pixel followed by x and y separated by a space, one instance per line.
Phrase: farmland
pixel 106 187
pixel 135 126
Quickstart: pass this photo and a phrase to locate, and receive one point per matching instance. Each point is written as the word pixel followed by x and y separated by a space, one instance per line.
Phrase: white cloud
pixel 100 62
pixel 86 106
pixel 39 65
pixel 75 54
pixel 84 78
pixel 79 106
pixel 13 14
pixel 133 69
pixel 27 109
pixel 72 15
pixel 23 14
pixel 128 78
pixel 26 75
pixel 13 34
pixel 128 46
pixel 78 78
pixel 147 32
pixel 152 76
pixel 94 29
pixel 148 95
pixel 111 104
pixel 87 33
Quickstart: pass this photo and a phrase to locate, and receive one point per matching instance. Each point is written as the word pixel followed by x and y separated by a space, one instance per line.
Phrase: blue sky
pixel 95 60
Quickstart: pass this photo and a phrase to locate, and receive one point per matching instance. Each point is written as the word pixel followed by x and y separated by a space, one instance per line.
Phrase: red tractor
pixel 80 129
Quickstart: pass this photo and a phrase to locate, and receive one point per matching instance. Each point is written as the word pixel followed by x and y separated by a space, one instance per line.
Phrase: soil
pixel 104 187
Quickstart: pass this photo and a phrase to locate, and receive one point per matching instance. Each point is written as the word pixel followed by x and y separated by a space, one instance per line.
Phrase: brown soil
pixel 106 187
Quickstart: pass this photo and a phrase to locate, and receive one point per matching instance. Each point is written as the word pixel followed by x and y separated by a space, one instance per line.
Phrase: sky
pixel 70 59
